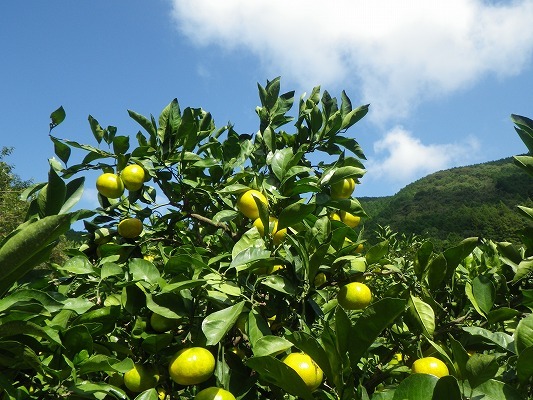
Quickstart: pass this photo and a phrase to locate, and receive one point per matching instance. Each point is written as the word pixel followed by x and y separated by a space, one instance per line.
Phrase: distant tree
pixel 12 209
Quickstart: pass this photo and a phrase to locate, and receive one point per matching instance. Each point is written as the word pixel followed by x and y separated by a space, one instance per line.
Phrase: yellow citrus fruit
pixel 269 270
pixel 133 177
pixel 110 185
pixel 354 296
pixel 214 393
pixel 130 228
pixel 396 359
pixel 342 189
pixel 349 219
pixel 278 236
pixel 306 367
pixel 247 205
pixel 334 216
pixel 141 378
pixel 320 279
pixel 160 323
pixel 430 365
pixel 191 366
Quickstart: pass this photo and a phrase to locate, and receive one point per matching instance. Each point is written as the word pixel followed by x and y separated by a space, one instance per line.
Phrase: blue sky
pixel 442 77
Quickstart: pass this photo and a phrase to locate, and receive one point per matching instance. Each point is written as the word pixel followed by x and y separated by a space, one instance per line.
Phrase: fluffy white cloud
pixel 400 157
pixel 396 53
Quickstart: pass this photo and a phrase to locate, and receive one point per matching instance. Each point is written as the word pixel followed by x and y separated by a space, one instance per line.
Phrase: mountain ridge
pixel 451 204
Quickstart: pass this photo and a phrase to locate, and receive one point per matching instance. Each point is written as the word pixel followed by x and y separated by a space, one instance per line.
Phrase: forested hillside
pixel 477 200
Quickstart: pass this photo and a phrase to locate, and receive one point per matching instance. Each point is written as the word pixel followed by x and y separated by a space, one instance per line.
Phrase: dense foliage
pixel 204 276
pixel 446 206
pixel 12 209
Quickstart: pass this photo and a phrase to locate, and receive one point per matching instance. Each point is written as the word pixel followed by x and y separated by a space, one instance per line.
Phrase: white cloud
pixel 400 157
pixel 396 53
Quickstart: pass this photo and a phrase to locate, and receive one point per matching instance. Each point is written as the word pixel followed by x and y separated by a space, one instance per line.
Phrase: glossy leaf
pixel 484 293
pixel 524 364
pixel 270 345
pixel 294 214
pixel 416 387
pixel 143 270
pixel 375 318
pixel 480 368
pixel 217 324
pixel 447 388
pixel 276 372
pixel 499 338
pixel 524 334
pixel 422 314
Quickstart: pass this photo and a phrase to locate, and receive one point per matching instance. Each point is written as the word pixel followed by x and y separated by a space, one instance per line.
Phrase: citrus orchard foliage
pixel 205 296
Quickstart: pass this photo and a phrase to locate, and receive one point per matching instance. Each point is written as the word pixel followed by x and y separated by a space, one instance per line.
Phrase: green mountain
pixel 449 205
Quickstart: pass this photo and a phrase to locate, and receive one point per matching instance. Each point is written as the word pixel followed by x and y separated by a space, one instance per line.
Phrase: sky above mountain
pixel 441 77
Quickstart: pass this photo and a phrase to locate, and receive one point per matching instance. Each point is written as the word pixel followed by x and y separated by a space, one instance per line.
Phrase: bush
pixel 218 283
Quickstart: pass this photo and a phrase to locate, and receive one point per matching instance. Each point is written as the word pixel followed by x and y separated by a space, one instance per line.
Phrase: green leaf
pixel 416 387
pixel 494 390
pixel 525 268
pixel 460 356
pixel 447 388
pixel 374 319
pixel 169 305
pixel 147 124
pixel 28 242
pixel 55 192
pixel 77 265
pixel 57 117
pixel 73 194
pixel 524 334
pixel 281 162
pixel 16 328
pixel 249 256
pixel 277 373
pixel 84 388
pixel 502 314
pixel 97 130
pixel 61 149
pixel 454 255
pixel 469 291
pixel 354 116
pixel 144 270
pixel 169 120
pixel 294 214
pixel 279 284
pixel 156 343
pixel 377 252
pixel 423 255
pixel 270 345
pixel 480 368
pixel 499 338
pixel 524 365
pixel 16 356
pixel 524 127
pixel 26 297
pixel 484 292
pixel 436 271
pixel 217 324
pixel 121 144
pixel 340 173
pixel 422 314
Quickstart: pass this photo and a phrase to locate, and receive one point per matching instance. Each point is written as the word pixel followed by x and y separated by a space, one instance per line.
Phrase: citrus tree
pixel 222 265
